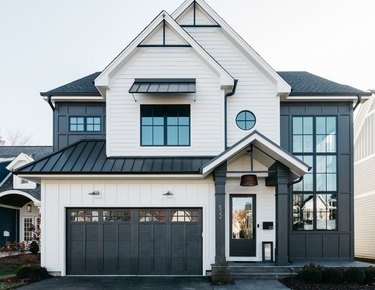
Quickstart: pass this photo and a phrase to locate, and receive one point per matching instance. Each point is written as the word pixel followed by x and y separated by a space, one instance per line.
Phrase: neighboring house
pixel 19 198
pixel 154 158
pixel 364 166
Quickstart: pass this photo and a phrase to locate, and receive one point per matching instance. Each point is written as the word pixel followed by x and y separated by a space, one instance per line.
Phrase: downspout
pixel 225 113
pixel 50 103
pixel 299 179
pixel 359 99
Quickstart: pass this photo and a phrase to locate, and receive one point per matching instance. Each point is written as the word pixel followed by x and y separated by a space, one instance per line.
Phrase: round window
pixel 245 120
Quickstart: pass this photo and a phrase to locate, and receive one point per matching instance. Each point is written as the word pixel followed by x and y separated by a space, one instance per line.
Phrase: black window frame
pixel 315 193
pixel 85 124
pixel 165 126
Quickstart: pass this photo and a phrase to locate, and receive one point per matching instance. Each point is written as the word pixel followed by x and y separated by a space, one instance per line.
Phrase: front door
pixel 242 226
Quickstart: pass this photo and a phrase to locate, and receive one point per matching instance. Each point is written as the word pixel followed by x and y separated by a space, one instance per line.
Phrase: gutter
pixel 226 112
pixel 50 102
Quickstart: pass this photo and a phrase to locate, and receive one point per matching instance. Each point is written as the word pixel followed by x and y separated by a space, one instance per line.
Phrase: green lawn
pixel 9 271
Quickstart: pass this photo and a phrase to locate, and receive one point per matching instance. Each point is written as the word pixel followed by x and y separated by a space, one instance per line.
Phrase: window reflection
pixel 242 218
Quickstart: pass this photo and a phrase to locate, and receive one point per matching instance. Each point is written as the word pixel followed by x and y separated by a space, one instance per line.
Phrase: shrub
pixel 34 247
pixel 34 273
pixel 311 273
pixel 369 274
pixel 332 275
pixel 355 275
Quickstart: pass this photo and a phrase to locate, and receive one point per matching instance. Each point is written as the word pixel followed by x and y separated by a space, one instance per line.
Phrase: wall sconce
pixel 29 208
pixel 95 192
pixel 168 194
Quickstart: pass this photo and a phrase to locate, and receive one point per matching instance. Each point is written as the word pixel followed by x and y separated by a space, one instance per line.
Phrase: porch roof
pixel 89 157
pixel 298 167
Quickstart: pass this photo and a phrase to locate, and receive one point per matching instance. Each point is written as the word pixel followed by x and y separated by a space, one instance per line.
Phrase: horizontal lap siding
pixel 207 122
pixel 255 92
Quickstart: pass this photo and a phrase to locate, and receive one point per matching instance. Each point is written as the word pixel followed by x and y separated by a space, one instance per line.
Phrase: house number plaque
pixel 220 213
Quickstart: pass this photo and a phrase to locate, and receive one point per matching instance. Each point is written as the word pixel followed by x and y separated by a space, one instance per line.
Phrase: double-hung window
pixel 85 124
pixel 165 125
pixel 315 198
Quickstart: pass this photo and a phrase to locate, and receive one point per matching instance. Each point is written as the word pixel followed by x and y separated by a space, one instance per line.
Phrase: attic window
pixel 163 86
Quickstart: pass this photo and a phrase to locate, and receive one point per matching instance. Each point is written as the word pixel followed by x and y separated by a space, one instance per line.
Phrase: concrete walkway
pixel 150 283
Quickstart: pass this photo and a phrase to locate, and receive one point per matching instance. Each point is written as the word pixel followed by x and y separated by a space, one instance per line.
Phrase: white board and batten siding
pixel 59 195
pixel 207 105
pixel 255 91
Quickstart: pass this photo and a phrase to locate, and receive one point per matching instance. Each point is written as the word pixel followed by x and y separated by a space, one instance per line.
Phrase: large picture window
pixel 165 125
pixel 314 141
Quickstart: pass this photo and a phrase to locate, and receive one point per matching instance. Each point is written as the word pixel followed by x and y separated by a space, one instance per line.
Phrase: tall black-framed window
pixel 85 124
pixel 165 125
pixel 314 141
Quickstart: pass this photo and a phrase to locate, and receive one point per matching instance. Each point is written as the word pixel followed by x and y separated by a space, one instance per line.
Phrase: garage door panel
pixel 134 241
pixel 124 232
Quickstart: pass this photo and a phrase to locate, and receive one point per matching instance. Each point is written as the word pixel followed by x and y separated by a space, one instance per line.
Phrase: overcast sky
pixel 48 43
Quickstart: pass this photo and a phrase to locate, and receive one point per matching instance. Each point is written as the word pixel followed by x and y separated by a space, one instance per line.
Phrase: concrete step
pixel 260 271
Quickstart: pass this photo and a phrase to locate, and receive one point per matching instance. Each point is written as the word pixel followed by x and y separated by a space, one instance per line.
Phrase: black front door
pixel 242 226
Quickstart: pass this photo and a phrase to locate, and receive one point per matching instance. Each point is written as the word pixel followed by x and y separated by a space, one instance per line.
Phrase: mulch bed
pixel 22 259
pixel 300 285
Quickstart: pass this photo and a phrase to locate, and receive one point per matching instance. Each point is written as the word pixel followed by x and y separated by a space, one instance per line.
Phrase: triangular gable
pixel 282 86
pixel 195 15
pixel 19 161
pixel 164 34
pixel 102 81
pixel 362 115
pixel 273 150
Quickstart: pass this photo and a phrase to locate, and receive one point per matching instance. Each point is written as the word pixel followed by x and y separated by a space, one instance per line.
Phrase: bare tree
pixel 17 137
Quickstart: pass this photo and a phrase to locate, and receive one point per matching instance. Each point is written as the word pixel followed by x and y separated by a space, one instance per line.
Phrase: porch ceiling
pixel 14 200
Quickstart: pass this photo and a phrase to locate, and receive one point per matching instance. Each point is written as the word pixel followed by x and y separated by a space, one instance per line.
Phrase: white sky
pixel 48 43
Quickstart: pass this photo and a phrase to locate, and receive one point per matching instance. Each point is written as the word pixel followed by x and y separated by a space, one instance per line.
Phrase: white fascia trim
pixel 55 99
pixel 324 98
pixel 102 81
pixel 3 160
pixel 283 87
pixel 294 165
pixel 5 179
pixel 39 177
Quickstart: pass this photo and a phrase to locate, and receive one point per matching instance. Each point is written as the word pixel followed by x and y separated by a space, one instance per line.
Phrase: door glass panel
pixel 242 218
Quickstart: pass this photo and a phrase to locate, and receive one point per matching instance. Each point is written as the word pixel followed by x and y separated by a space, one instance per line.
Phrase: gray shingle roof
pixel 89 157
pixel 307 84
pixel 81 87
pixel 303 84
pixel 35 152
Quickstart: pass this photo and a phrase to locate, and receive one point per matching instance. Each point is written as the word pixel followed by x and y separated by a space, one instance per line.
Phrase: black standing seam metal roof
pixel 302 83
pixel 89 157
pixel 158 86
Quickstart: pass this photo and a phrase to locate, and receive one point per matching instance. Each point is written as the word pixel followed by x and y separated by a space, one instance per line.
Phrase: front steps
pixel 240 270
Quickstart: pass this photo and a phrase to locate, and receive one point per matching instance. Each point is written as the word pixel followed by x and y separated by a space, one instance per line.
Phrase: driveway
pixel 150 283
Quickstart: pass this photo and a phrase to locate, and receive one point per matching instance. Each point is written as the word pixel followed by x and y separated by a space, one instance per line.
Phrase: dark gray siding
pixel 337 244
pixel 9 219
pixel 61 135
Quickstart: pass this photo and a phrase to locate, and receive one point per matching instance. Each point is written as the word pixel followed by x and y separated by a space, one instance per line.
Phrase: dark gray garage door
pixel 134 241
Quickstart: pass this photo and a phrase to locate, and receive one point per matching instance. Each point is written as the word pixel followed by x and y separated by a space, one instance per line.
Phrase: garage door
pixel 134 241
